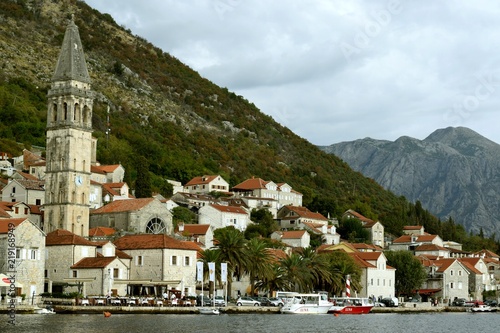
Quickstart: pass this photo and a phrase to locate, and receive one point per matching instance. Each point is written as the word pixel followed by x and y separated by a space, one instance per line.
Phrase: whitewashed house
pixel 219 216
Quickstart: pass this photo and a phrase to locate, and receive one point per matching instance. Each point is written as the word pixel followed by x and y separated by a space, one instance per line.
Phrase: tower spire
pixel 71 64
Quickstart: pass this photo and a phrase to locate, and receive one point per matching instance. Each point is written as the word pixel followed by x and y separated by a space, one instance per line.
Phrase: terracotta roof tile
pixel 126 205
pixel 101 231
pixel 93 262
pixel 201 180
pixel 305 213
pixel 229 209
pixel 196 229
pixel 4 224
pixel 358 216
pixel 65 237
pixel 294 234
pixel 251 184
pixel 104 168
pixel 151 241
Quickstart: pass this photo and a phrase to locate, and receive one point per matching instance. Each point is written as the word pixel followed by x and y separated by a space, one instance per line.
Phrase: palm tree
pixel 258 265
pixel 342 265
pixel 276 281
pixel 231 246
pixel 318 264
pixel 297 275
pixel 206 256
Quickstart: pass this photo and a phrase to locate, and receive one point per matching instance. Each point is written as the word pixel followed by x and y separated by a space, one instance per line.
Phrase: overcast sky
pixel 333 70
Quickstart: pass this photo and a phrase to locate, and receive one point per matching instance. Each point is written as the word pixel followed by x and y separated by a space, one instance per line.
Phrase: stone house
pixel 107 173
pixel 145 215
pixel 377 278
pixel 295 216
pixel 26 258
pixel 64 249
pixel 447 279
pixel 115 191
pixel 294 238
pixel 375 228
pixel 218 216
pixel 411 242
pixel 105 272
pixel 201 234
pixel 328 232
pixel 159 263
pixel 283 193
pixel 29 191
pixel 432 250
pixel 206 184
pixel 480 278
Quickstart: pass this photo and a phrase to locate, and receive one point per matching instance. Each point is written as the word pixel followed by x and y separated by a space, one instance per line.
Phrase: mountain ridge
pixel 452 172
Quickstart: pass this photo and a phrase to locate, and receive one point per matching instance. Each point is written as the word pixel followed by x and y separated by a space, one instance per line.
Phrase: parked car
pixel 459 302
pixel 390 301
pixel 246 301
pixel 275 301
pixel 264 301
pixel 206 301
pixel 219 301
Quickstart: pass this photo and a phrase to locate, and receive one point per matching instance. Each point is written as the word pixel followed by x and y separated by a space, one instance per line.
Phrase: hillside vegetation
pixel 162 110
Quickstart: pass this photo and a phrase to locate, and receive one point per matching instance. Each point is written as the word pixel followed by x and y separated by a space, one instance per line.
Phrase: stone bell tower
pixel 69 140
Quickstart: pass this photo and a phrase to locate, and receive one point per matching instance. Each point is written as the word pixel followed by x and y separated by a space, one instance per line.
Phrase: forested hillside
pixel 160 109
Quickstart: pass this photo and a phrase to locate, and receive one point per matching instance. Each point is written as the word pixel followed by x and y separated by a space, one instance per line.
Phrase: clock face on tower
pixel 78 180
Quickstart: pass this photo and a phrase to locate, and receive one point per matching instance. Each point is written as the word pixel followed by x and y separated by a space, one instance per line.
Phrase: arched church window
pixel 76 114
pixel 65 111
pixel 85 114
pixel 54 112
pixel 155 226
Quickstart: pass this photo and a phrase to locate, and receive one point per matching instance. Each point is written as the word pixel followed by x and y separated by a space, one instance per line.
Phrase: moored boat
pixel 483 308
pixel 209 311
pixel 45 310
pixel 351 305
pixel 307 304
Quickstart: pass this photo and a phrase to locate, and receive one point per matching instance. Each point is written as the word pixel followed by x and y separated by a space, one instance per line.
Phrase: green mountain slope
pixel 183 124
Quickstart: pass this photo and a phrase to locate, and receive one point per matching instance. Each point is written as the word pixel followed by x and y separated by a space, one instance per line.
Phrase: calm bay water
pixel 256 323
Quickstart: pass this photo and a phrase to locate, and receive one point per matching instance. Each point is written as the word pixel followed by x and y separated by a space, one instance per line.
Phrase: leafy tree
pixel 352 229
pixel 182 214
pixel 143 181
pixel 410 274
pixel 206 256
pixel 265 223
pixel 341 266
pixel 296 273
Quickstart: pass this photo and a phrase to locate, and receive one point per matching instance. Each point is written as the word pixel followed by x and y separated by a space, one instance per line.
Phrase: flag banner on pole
pixel 211 271
pixel 199 271
pixel 223 271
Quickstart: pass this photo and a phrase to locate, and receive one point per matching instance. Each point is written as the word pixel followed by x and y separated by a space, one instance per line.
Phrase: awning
pixel 147 282
pixel 76 280
pixel 427 291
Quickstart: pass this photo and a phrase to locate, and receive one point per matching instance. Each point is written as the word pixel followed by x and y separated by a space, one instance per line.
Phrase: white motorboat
pixel 483 308
pixel 45 310
pixel 209 311
pixel 307 304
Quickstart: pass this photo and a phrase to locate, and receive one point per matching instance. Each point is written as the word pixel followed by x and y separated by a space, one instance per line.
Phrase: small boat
pixel 209 311
pixel 107 314
pixel 351 305
pixel 45 310
pixel 483 308
pixel 307 304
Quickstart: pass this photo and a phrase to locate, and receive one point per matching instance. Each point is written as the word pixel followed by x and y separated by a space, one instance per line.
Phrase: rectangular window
pixel 173 260
pixel 33 255
pixel 139 260
pixel 75 274
pixel 451 272
pixel 460 273
pixel 371 282
pixel 116 273
pixel 38 202
pixel 187 261
pixel 451 285
pixel 25 211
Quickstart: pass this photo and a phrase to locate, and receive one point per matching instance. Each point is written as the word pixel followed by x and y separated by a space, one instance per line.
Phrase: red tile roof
pixel 412 227
pixel 104 168
pixel 4 224
pixel 305 213
pixel 251 184
pixel 93 262
pixel 101 231
pixel 151 241
pixel 294 234
pixel 229 209
pixel 126 205
pixel 358 216
pixel 65 237
pixel 419 238
pixel 431 247
pixel 196 229
pixel 201 180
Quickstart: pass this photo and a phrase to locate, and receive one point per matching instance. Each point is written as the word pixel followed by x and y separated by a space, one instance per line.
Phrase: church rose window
pixel 155 226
